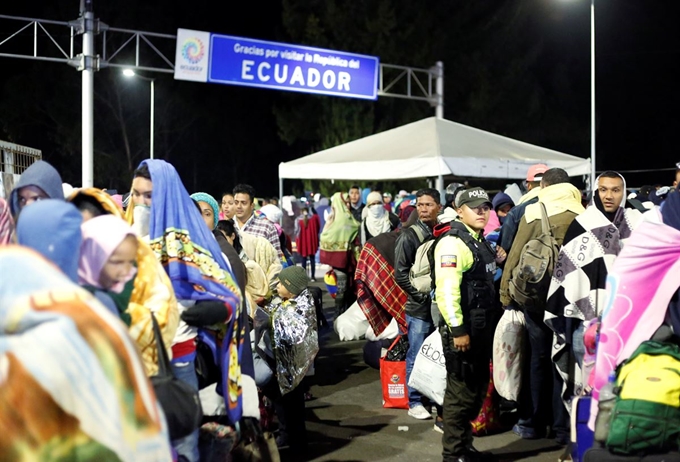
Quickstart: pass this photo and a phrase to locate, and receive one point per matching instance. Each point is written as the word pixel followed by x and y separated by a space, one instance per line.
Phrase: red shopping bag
pixel 393 381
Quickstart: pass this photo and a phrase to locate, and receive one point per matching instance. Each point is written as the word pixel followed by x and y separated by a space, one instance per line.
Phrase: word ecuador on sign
pixel 256 63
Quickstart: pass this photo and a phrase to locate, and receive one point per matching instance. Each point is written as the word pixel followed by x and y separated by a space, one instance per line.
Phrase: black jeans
pixel 312 264
pixel 290 411
pixel 540 401
pixel 467 381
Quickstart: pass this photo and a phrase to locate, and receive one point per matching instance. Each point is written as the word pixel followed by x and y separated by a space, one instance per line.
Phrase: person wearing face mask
pixel 376 218
pixel 202 281
pixel 577 290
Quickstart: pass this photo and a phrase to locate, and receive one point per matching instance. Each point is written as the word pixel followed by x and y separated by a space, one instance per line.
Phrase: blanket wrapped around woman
pixel 72 384
pixel 378 294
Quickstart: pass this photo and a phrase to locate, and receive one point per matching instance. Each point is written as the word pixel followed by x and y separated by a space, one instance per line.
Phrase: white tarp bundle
pixel 429 148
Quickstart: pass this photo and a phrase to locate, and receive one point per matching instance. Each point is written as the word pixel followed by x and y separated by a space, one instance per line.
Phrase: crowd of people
pixel 100 291
pixel 548 259
pixel 156 325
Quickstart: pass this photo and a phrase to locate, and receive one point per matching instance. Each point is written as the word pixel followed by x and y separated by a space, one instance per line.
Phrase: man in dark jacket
pixel 418 305
pixel 356 205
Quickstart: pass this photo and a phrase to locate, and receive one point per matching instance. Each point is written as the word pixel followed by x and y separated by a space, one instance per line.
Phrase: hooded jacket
pixel 42 175
pixel 563 203
pixel 52 227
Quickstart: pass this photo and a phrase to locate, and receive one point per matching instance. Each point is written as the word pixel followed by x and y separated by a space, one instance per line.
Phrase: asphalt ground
pixel 346 420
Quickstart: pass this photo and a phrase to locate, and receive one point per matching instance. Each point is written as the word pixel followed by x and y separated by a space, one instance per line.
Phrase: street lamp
pixel 592 94
pixel 129 73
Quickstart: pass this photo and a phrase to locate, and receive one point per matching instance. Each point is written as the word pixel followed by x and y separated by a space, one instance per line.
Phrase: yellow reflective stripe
pixel 449 278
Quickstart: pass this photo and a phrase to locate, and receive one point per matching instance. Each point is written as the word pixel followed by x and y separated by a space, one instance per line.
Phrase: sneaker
pixel 526 433
pixel 438 426
pixel 419 412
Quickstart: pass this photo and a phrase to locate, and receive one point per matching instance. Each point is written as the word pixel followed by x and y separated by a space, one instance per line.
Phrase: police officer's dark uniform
pixel 464 267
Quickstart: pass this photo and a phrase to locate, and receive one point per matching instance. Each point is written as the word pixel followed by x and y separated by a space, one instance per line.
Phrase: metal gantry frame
pixel 395 81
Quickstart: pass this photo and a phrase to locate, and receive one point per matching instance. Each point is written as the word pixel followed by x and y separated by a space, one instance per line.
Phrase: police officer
pixel 464 267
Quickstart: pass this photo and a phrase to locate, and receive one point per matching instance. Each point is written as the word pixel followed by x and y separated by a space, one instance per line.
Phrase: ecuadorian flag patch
pixel 449 261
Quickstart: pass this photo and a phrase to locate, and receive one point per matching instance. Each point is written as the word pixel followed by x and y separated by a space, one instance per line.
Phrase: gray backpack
pixel 420 273
pixel 530 279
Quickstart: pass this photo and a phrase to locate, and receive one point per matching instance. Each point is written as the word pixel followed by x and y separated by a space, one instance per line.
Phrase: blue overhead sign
pixel 256 63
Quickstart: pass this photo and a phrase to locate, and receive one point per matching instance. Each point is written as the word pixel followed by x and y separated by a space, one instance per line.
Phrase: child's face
pixel 119 265
pixel 283 292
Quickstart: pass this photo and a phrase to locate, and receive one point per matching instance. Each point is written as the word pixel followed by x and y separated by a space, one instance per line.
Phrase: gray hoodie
pixel 42 175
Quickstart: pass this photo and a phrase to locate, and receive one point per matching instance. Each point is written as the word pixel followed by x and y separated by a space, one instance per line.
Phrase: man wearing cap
pixel 512 219
pixel 464 267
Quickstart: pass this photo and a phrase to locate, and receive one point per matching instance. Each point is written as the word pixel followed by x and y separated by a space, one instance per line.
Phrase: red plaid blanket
pixel 378 294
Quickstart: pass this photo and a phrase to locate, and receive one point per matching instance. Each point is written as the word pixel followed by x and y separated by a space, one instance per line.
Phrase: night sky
pixel 638 46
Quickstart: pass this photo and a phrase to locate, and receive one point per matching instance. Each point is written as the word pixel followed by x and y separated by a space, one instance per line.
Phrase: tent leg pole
pixel 440 188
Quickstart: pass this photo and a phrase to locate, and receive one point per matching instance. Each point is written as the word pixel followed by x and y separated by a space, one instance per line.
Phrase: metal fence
pixel 16 159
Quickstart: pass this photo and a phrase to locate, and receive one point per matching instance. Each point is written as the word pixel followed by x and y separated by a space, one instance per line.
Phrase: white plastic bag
pixel 429 370
pixel 391 331
pixel 352 324
pixel 508 342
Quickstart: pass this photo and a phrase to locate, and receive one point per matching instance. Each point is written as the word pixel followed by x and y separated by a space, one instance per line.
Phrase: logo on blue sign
pixel 193 50
pixel 241 61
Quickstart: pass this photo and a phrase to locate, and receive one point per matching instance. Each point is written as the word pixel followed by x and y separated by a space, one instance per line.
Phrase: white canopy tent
pixel 429 148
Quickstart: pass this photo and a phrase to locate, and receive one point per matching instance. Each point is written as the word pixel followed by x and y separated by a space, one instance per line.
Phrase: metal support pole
pixel 592 95
pixel 153 104
pixel 439 114
pixel 88 95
